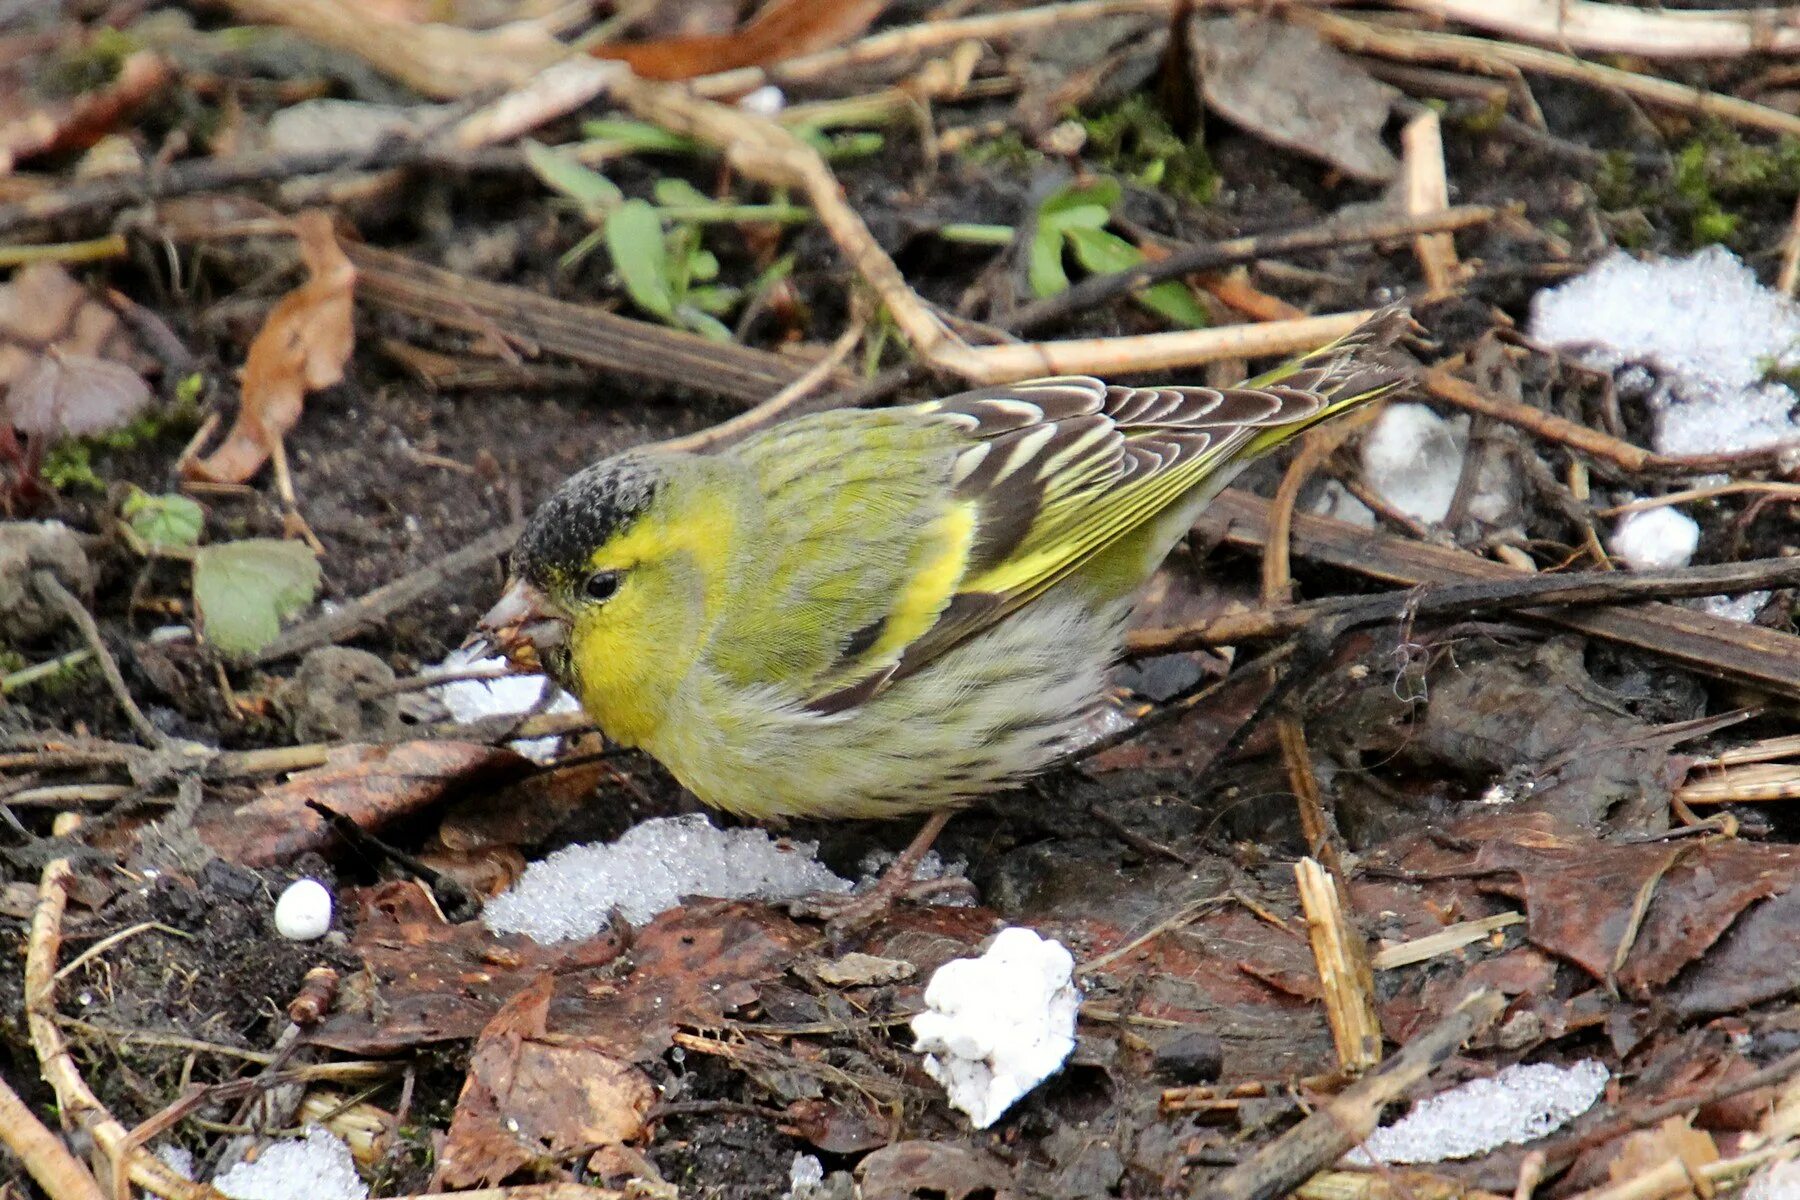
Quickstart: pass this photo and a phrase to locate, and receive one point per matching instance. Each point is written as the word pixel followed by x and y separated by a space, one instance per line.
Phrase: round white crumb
pixel 765 101
pixel 1655 539
pixel 303 912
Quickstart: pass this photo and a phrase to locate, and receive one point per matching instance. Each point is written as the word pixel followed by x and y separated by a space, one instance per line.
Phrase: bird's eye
pixel 601 585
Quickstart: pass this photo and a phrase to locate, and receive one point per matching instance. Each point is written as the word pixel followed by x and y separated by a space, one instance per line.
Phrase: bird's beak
pixel 523 626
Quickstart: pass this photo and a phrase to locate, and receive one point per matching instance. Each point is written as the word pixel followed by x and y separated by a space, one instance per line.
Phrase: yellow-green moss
pixel 1136 141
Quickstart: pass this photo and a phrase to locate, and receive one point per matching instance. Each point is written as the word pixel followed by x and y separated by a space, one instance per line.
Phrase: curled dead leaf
pixel 302 347
pixel 73 395
pixel 31 125
pixel 783 29
pixel 531 1096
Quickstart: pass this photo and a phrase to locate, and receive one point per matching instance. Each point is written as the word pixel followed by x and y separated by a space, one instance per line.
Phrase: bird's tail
pixel 1362 366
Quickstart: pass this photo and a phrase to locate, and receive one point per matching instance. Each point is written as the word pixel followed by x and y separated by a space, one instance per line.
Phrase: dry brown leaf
pixel 529 1098
pixel 370 785
pixel 783 29
pixel 1648 1149
pixel 43 308
pixel 302 347
pixel 1329 108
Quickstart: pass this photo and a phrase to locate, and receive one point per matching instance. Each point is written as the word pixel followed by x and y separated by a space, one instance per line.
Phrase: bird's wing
pixel 1041 477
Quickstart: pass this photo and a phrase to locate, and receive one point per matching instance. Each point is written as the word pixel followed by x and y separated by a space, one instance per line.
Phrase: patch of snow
pixel 315 1167
pixel 473 699
pixel 1520 1104
pixel 303 911
pixel 1335 501
pixel 1735 608
pixel 804 1176
pixel 1776 1181
pixel 997 1026
pixel 178 1159
pixel 1413 459
pixel 1655 538
pixel 1708 333
pixel 572 893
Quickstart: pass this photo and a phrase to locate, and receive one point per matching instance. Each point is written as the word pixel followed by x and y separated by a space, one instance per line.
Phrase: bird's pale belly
pixel 981 717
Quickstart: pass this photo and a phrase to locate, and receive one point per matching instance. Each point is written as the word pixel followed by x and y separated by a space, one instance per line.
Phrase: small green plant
pixel 1714 180
pixel 163 523
pixel 1073 220
pixel 244 590
pixel 656 246
pixel 667 272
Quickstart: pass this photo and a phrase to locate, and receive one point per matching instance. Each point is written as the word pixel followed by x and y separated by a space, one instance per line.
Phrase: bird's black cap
pixel 588 510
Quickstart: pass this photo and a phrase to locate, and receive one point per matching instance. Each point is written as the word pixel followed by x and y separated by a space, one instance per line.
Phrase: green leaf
pixel 164 522
pixel 1045 268
pixel 244 590
pixel 1103 192
pixel 706 326
pixel 703 265
pixel 672 192
pixel 561 172
pixel 1104 253
pixel 1173 299
pixel 634 238
pixel 717 299
pixel 637 135
pixel 848 147
pixel 976 235
pixel 1101 252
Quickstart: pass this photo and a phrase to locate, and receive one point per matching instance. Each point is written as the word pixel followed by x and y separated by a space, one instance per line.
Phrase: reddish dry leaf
pixel 528 1100
pixel 908 1169
pixel 371 785
pixel 31 127
pixel 73 395
pixel 426 980
pixel 302 347
pixel 783 29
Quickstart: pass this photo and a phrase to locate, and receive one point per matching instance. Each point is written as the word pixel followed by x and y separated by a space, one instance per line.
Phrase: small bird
pixel 876 612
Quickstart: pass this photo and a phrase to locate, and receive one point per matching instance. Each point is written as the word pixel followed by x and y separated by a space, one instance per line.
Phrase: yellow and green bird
pixel 867 613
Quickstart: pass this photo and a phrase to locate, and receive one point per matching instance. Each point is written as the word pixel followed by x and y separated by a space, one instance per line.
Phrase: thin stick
pixel 46 1158
pixel 1343 1121
pixel 1790 491
pixel 765 413
pixel 1211 256
pixel 1444 941
pixel 764 150
pixel 1715 647
pixel 916 39
pixel 76 1100
pixel 113 245
pixel 1146 352
pixel 1550 427
pixel 24 677
pixel 1789 277
pixel 1345 977
pixel 53 590
pixel 1497 58
pixel 1427 191
pixel 1610 29
pixel 107 943
pixel 365 610
pixel 1472 599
